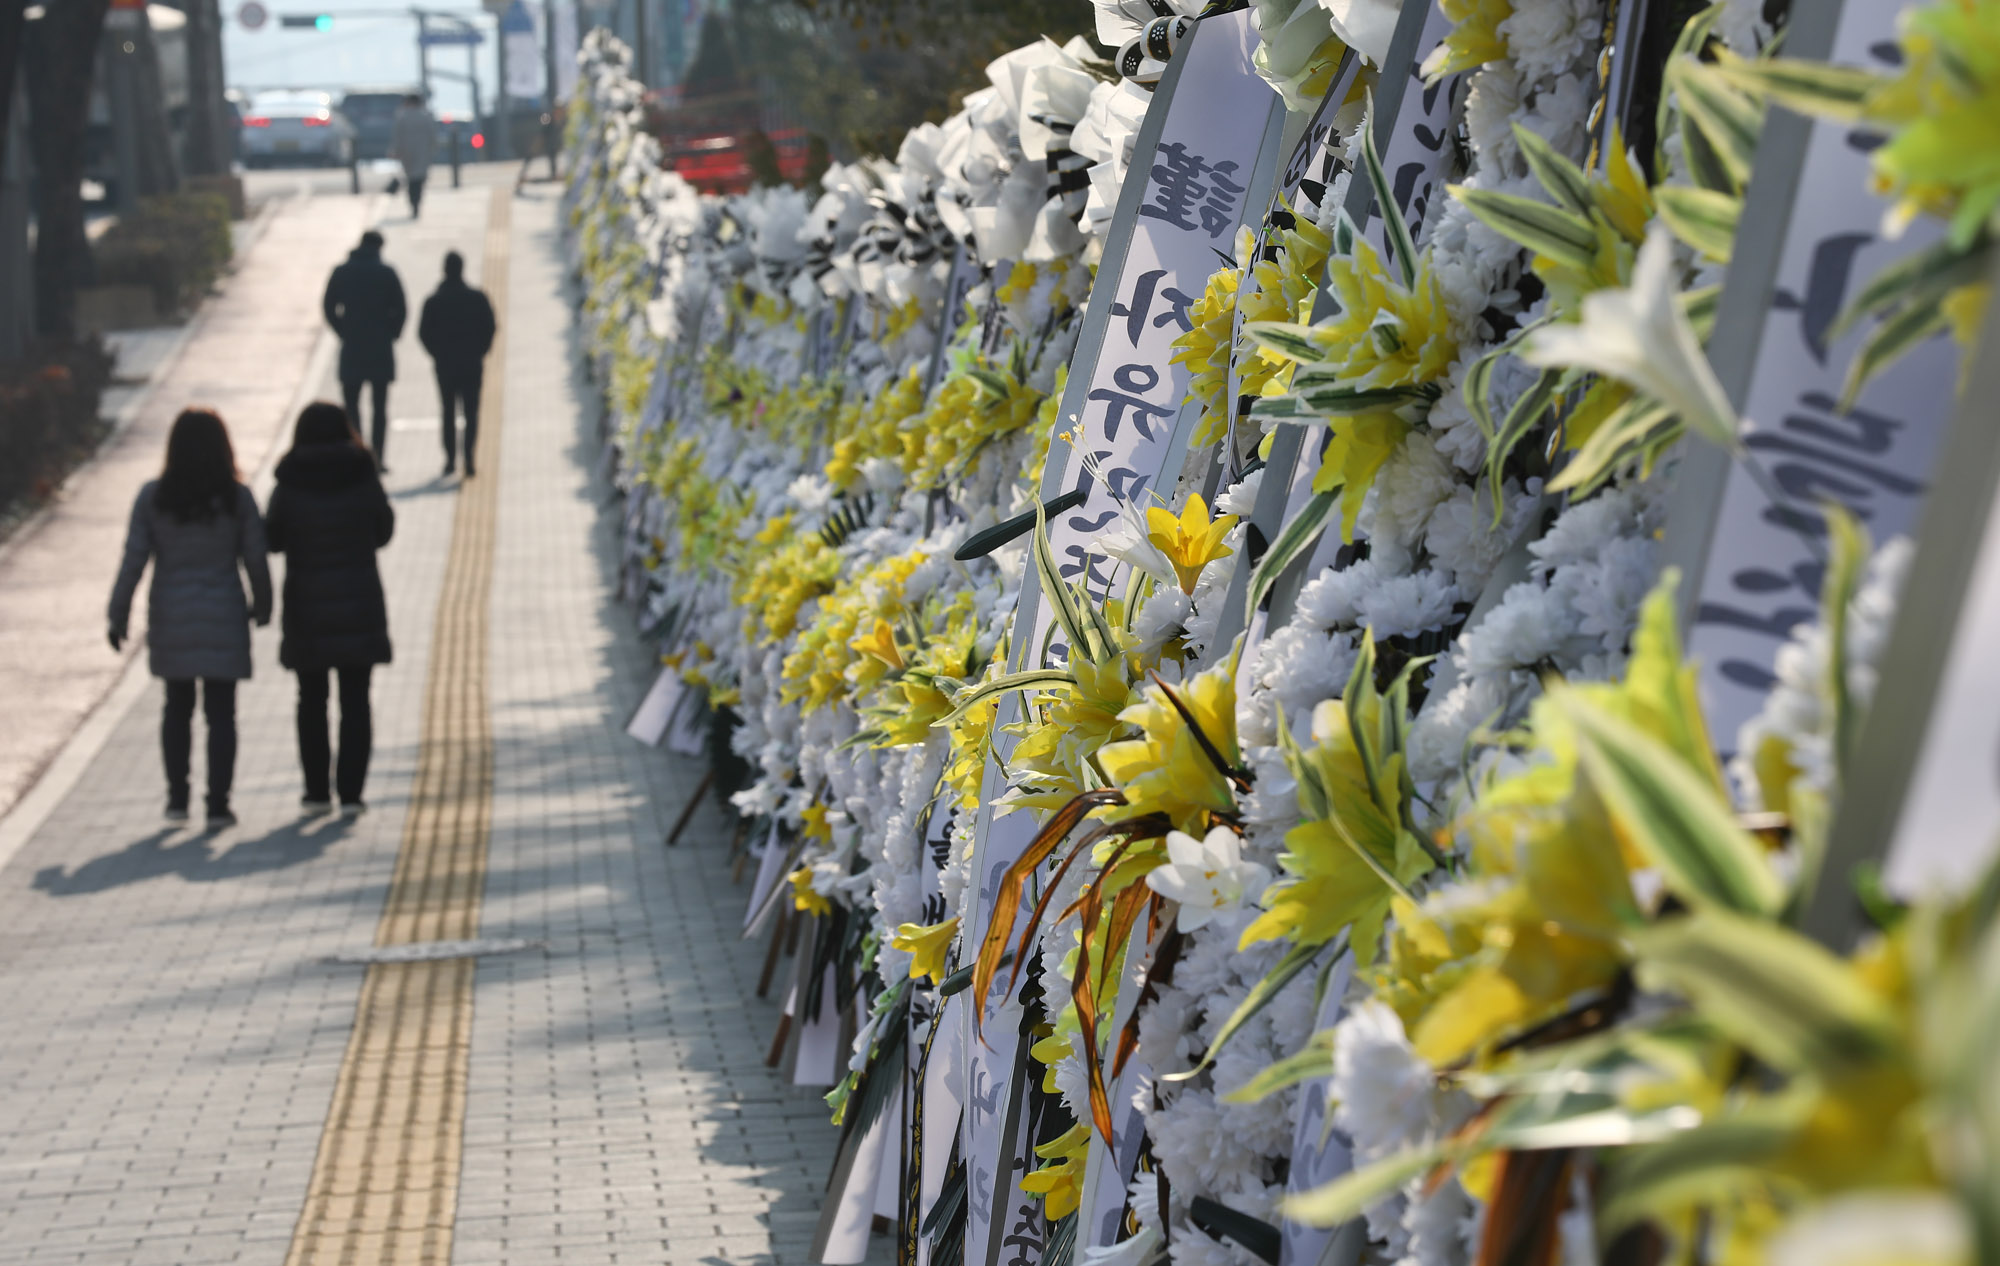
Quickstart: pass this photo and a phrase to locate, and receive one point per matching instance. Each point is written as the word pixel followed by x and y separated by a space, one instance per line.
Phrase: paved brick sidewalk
pixel 619 1109
pixel 173 1029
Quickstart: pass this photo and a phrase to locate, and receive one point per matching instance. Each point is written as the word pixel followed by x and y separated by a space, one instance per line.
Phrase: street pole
pixel 472 77
pixel 502 148
pixel 549 137
pixel 17 280
pixel 122 90
pixel 639 37
pixel 423 54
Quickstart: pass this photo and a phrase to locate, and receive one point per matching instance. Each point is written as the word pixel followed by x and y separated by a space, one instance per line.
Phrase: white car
pixel 296 127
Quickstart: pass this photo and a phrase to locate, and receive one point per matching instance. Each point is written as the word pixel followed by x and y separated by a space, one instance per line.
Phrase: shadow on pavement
pixel 193 858
pixel 438 485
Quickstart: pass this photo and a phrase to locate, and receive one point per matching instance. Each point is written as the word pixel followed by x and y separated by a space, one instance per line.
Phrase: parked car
pixel 372 111
pixel 296 127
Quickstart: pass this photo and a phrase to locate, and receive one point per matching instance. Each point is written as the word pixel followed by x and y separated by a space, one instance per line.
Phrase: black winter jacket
pixel 456 327
pixel 364 304
pixel 328 516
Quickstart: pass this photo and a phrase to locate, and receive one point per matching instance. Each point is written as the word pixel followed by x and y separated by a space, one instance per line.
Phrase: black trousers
pixel 378 392
pixel 416 184
pixel 356 732
pixel 218 705
pixel 459 388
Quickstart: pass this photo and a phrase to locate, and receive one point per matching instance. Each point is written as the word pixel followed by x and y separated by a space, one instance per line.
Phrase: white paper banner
pixel 1315 1162
pixel 1759 576
pixel 649 723
pixel 1185 199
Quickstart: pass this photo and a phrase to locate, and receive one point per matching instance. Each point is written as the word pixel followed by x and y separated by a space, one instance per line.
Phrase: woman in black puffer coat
pixel 328 516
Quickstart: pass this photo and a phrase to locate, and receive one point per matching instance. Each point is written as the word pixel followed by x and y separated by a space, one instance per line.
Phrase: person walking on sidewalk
pixel 328 516
pixel 412 138
pixel 365 306
pixel 198 525
pixel 457 330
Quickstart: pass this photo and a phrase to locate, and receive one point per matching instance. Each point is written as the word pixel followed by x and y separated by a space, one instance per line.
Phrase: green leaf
pixel 1287 338
pixel 1698 306
pixel 1563 179
pixel 1703 218
pixel 1911 325
pixel 1349 1196
pixel 1062 604
pixel 1927 275
pixel 1316 1060
pixel 1294 539
pixel 1812 88
pixel 1770 989
pixel 1679 820
pixel 1728 119
pixel 1521 419
pixel 1846 558
pixel 1321 399
pixel 1713 1160
pixel 1032 678
pixel 1566 238
pixel 1477 389
pixel 1618 438
pixel 1396 228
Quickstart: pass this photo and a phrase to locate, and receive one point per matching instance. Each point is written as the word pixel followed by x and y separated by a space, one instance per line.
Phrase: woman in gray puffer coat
pixel 198 525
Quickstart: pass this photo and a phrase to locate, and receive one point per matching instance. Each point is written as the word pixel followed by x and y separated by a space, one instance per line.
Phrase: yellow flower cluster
pixel 1280 289
pixel 771 590
pixel 1382 334
pixel 851 643
pixel 1205 349
pixel 1180 770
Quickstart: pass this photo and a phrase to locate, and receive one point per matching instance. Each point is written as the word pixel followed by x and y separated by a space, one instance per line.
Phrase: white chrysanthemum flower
pixel 1441 736
pixel 1527 626
pixel 1547 37
pixel 1387 1096
pixel 1240 498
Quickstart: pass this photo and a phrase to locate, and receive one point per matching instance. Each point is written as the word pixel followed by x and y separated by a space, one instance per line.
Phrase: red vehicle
pixel 713 141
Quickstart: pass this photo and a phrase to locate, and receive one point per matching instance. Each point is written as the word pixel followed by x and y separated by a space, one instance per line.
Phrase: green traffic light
pixel 323 22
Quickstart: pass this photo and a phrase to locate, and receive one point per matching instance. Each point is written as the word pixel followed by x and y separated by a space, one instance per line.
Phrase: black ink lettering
pixel 1778 625
pixel 1826 289
pixel 1141 305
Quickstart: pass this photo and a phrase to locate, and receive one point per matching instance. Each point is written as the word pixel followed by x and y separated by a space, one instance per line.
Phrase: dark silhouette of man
pixel 365 306
pixel 457 330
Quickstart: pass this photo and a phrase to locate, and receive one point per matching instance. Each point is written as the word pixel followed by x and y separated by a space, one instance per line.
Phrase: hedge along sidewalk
pixel 247 353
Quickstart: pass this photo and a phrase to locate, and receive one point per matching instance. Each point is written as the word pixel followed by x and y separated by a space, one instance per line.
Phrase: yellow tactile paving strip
pixel 384 1187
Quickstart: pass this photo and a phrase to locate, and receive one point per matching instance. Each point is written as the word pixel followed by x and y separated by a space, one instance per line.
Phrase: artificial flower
pixel 927 946
pixel 1640 336
pixel 1189 541
pixel 1207 876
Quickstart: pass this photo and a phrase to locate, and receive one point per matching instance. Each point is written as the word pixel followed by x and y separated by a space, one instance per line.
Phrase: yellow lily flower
pixel 927 946
pixel 816 825
pixel 803 896
pixel 1165 770
pixel 1191 541
pixel 1061 1184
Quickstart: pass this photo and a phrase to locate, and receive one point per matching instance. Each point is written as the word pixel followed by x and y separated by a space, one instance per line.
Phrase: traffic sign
pixel 251 15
